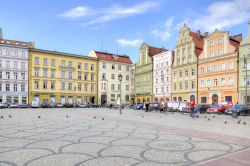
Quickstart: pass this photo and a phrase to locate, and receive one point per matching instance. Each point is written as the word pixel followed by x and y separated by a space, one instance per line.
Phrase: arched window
pixel 215 98
pixel 192 97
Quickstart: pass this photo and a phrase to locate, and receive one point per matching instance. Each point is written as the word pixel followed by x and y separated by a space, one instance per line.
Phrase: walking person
pixel 147 105
pixel 192 107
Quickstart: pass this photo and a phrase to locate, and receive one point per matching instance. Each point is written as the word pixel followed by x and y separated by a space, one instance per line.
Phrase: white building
pixel 14 71
pixel 162 76
pixel 110 66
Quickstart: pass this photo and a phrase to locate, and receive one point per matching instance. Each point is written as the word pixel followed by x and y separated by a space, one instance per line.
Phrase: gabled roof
pixel 199 42
pixel 113 57
pixel 235 40
pixel 17 43
pixel 154 50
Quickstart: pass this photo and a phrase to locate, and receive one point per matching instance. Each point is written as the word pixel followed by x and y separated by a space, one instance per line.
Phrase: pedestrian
pixel 147 105
pixel 191 106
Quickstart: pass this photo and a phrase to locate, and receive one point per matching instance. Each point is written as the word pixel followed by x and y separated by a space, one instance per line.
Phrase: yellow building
pixel 56 77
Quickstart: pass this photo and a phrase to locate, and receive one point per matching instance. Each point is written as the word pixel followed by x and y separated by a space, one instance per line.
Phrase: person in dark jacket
pixel 192 107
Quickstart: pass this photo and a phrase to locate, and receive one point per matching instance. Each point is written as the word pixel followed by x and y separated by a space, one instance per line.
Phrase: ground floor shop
pixel 184 96
pixel 14 98
pixel 63 98
pixel 217 96
pixel 143 99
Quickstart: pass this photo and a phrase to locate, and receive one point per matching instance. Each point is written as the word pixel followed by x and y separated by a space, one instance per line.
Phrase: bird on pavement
pixel 2 116
pixel 142 116
pixel 10 116
pixel 214 116
pixel 205 116
pixel 225 122
pixel 102 118
pixel 208 119
pixel 238 122
pixel 244 123
pixel 94 117
pixel 39 116
pixel 67 116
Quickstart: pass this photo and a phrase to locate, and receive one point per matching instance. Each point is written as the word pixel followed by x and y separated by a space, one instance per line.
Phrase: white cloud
pixel 163 29
pixel 94 16
pixel 223 14
pixel 130 43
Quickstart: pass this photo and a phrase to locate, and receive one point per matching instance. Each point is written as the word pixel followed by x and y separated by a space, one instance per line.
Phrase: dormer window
pixel 115 57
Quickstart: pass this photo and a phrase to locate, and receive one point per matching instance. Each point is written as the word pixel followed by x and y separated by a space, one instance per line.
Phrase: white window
pixel 15 88
pixel 86 66
pixel 113 67
pixel 70 64
pixel 156 90
pixel 45 61
pixel 79 87
pixel 127 68
pixel 1 87
pixel 92 88
pixel 7 87
pixel 211 53
pixel 52 73
pixel 45 85
pixel 127 78
pixel 223 67
pixel 36 60
pixel 1 74
pixel 1 63
pixel 45 72
pixel 63 63
pixel 36 84
pixel 70 86
pixel 62 85
pixel 112 76
pixel 85 76
pixel 208 83
pixel 193 72
pixel 15 76
pixel 22 88
pixel 62 74
pixel 208 69
pixel 1 52
pixel 8 75
pixel 85 87
pixel 53 62
pixel 52 85
pixel 92 77
pixel 15 64
pixel 112 86
pixel 104 65
pixel 23 54
pixel 79 65
pixel 79 75
pixel 7 52
pixel 104 76
pixel 230 65
pixel 23 65
pixel 15 53
pixel 230 81
pixel 119 67
pixel 219 41
pixel 223 82
pixel 127 87
pixel 215 82
pixel 211 43
pixel 202 83
pixel 92 67
pixel 70 75
pixel 215 68
pixel 36 72
pixel 220 52
pixel 7 64
pixel 23 76
pixel 162 90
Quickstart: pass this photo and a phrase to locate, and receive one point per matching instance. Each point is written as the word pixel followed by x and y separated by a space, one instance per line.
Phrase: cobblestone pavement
pixel 67 137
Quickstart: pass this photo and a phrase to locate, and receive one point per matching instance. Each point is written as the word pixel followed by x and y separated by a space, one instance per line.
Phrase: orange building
pixel 217 68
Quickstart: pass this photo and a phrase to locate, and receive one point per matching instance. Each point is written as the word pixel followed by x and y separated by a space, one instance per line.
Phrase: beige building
pixel 110 66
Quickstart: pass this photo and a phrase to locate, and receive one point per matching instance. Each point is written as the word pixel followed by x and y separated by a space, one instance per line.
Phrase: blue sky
pixel 78 26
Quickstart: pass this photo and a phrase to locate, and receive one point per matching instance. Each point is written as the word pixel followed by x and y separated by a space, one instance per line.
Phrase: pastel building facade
pixel 14 71
pixel 110 66
pixel 162 76
pixel 184 70
pixel 244 70
pixel 218 68
pixel 144 73
pixel 57 77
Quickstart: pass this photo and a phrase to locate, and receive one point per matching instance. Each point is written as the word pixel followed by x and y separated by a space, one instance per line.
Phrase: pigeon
pixel 2 116
pixel 244 123
pixel 10 116
pixel 238 122
pixel 225 122
pixel 214 116
pixel 208 119
pixel 67 116
pixel 205 116
pixel 94 117
pixel 102 118
pixel 197 116
pixel 39 116
pixel 142 116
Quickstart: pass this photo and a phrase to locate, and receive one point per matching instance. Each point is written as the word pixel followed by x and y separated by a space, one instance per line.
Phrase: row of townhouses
pixel 207 68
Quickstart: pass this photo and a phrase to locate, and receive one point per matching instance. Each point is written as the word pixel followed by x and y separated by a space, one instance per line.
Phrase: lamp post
pixel 75 98
pixel 120 79
pixel 208 94
pixel 245 66
pixel 162 78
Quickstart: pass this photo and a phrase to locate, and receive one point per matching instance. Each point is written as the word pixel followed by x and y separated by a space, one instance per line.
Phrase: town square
pixel 125 83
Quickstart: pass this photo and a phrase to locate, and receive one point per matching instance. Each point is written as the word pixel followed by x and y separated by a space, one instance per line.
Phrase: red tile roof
pixel 198 40
pixel 17 43
pixel 113 57
pixel 235 40
pixel 154 50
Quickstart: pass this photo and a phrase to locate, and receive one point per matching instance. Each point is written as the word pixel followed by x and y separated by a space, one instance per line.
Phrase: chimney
pixel 1 34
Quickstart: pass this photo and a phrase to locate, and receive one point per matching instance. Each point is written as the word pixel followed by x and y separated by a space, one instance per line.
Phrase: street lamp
pixel 120 79
pixel 208 94
pixel 75 98
pixel 245 66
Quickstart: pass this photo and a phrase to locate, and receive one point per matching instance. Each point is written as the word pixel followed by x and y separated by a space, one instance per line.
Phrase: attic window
pixel 115 57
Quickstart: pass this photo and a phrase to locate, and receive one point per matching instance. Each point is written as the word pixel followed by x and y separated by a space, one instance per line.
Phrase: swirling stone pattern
pixel 77 141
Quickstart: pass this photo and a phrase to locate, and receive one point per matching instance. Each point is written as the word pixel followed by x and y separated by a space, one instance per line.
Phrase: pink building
pixel 162 76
